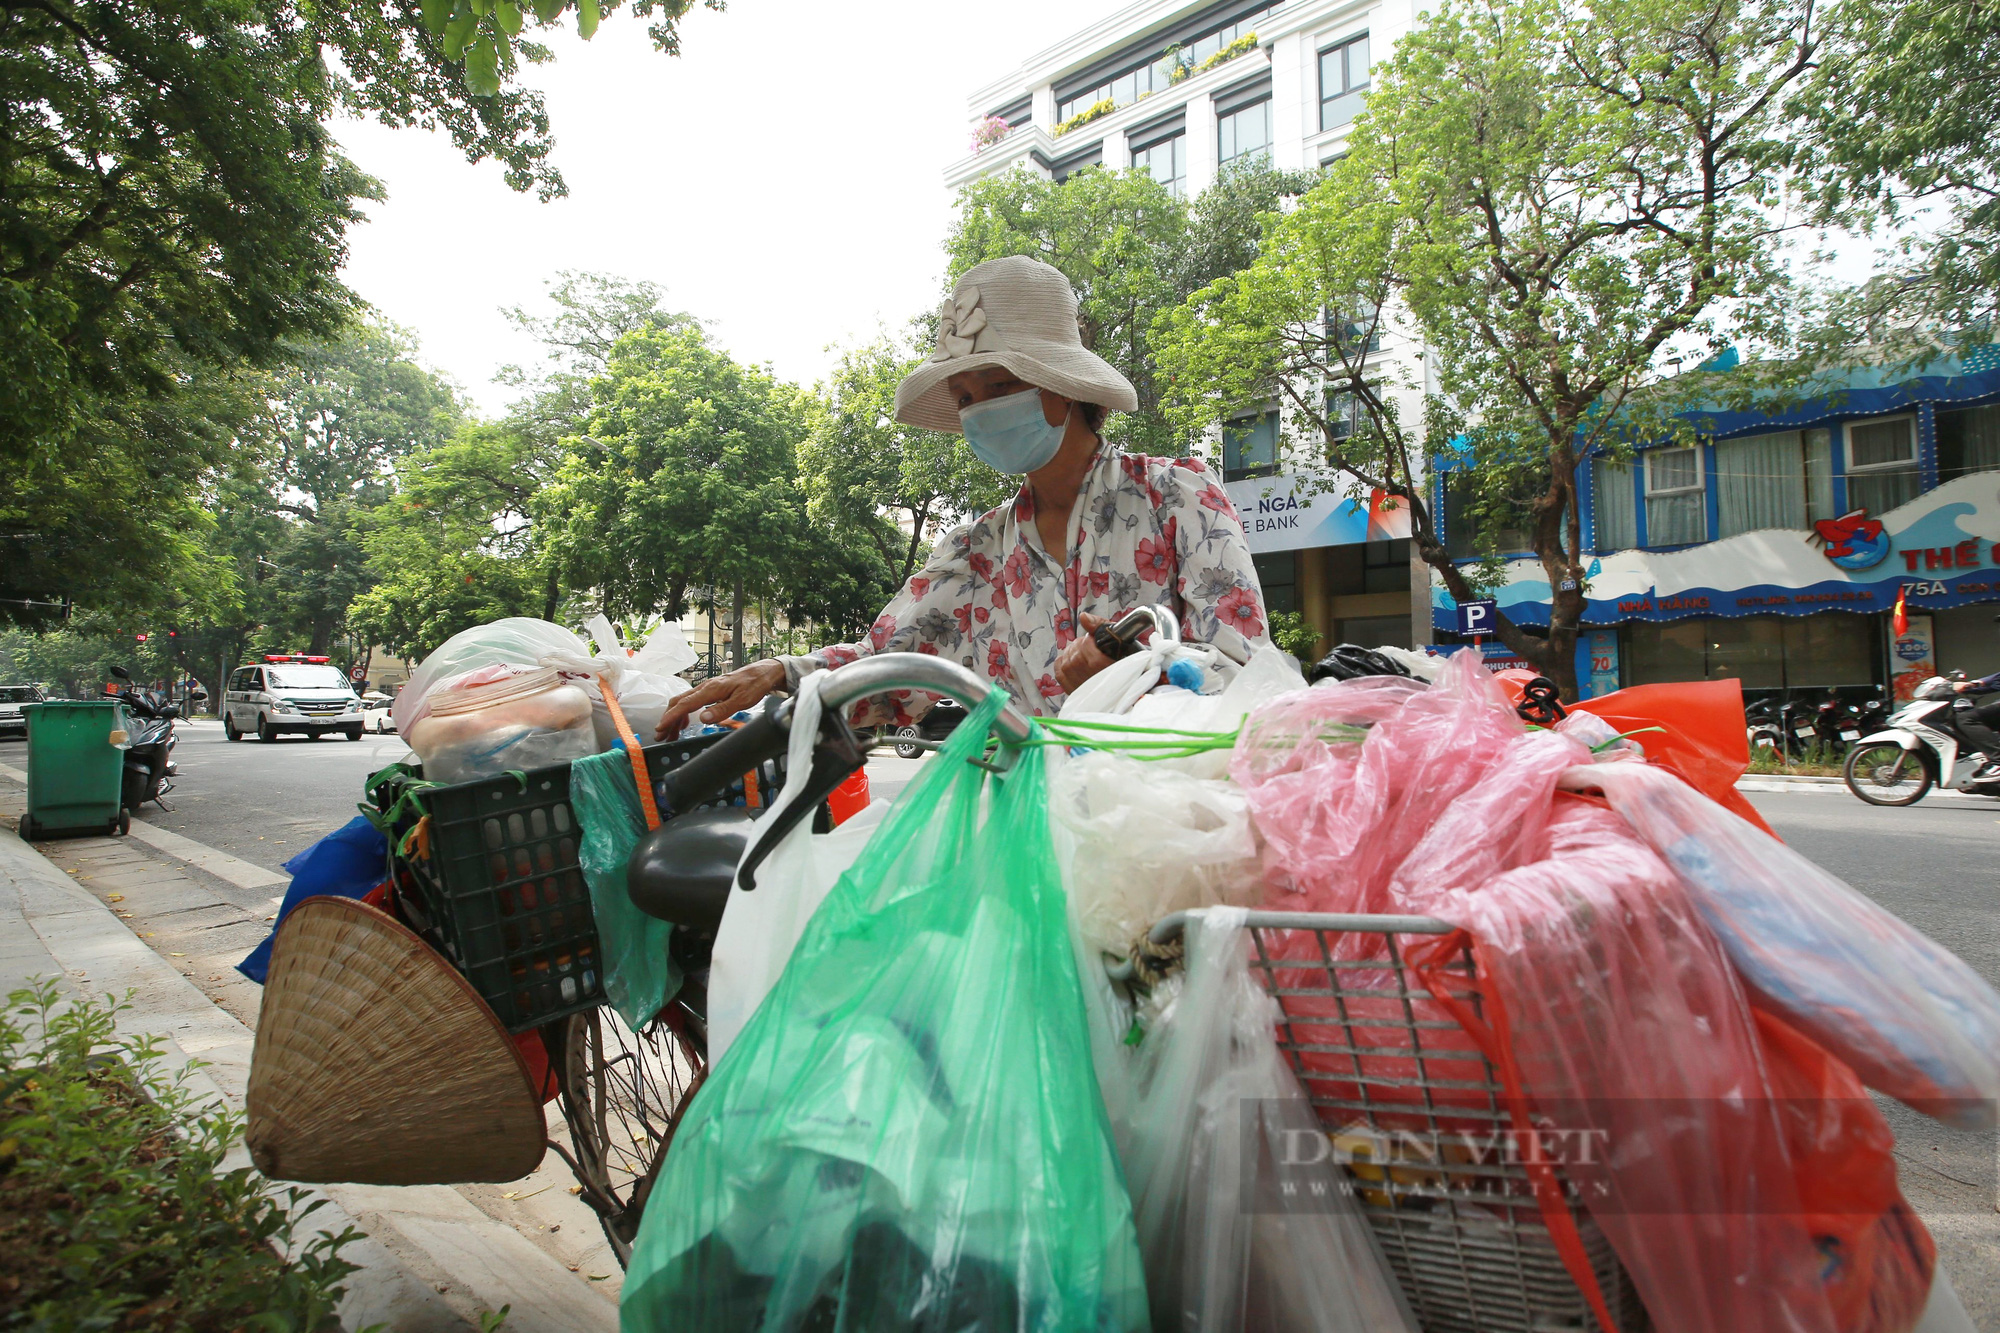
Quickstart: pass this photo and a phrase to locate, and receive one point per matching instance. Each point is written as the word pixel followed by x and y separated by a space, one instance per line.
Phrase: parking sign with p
pixel 1476 617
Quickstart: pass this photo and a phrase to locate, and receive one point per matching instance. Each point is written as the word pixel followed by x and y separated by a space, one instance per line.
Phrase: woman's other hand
pixel 1082 659
pixel 731 692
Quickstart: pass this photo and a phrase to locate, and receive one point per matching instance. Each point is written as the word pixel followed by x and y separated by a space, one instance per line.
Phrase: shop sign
pixel 1602 676
pixel 1287 513
pixel 1950 536
pixel 1914 658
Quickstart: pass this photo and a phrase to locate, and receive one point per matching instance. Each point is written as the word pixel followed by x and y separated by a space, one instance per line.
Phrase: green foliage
pixel 865 473
pixel 485 34
pixel 1241 46
pixel 1904 135
pixel 1294 634
pixel 75 661
pixel 1558 196
pixel 1131 250
pixel 452 549
pixel 112 1213
pixel 1102 107
pixel 694 484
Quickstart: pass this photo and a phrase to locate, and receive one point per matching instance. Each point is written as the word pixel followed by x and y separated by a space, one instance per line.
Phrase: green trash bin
pixel 76 766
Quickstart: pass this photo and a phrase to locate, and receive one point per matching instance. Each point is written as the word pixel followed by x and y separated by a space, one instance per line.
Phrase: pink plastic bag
pixel 1628 1021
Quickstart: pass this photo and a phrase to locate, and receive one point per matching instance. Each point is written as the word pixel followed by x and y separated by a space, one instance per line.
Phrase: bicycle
pixel 624 1093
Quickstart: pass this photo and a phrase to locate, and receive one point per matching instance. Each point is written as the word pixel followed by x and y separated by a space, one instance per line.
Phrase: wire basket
pixel 1397 1083
pixel 492 880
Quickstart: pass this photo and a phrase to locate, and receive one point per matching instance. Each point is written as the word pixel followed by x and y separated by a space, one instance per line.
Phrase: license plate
pixel 1850 735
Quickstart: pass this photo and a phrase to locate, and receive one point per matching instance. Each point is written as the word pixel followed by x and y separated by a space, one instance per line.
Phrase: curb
pixel 432 1261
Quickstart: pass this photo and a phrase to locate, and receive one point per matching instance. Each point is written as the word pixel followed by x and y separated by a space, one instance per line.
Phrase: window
pixel 1881 463
pixel 1344 328
pixel 1245 136
pixel 1385 566
pixel 1611 505
pixel 1968 441
pixel 1092 156
pixel 1166 159
pixel 1503 526
pixel 1278 574
pixel 308 678
pixel 1763 652
pixel 1343 79
pixel 1343 415
pixel 1250 447
pixel 1676 503
pixel 1163 62
pixel 1760 482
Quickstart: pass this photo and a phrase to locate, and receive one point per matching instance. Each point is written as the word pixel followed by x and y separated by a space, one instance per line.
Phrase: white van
pixel 290 692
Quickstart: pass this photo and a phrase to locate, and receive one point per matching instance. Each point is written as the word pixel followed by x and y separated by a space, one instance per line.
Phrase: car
pixel 375 714
pixel 929 731
pixel 290 692
pixel 13 722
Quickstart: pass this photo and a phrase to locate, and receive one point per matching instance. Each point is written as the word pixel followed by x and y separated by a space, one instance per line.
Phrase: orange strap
pixel 632 752
pixel 1429 961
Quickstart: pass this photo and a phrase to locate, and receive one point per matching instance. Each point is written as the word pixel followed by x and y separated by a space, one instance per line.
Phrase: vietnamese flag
pixel 1900 619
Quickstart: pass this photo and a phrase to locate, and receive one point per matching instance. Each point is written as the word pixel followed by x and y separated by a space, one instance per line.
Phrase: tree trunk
pixel 551 595
pixel 736 628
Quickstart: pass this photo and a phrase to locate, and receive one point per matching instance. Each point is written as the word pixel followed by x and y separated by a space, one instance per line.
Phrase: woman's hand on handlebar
pixel 731 692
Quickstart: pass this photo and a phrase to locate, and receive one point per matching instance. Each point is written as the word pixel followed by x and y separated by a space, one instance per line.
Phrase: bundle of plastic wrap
pixel 498 719
pixel 1608 995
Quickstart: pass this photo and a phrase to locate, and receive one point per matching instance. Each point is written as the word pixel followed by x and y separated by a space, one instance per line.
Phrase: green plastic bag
pixel 907 1135
pixel 640 976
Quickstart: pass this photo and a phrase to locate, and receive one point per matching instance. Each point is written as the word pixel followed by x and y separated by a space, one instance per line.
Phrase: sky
pixel 781 178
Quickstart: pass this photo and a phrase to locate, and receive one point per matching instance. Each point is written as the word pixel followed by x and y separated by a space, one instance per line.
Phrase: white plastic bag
pixel 1150 841
pixel 1214 1265
pixel 760 928
pixel 515 641
pixel 644 682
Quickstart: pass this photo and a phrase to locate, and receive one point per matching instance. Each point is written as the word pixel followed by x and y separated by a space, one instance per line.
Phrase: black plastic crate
pixel 498 889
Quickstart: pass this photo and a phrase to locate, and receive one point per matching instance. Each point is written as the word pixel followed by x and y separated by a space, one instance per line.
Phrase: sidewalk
pixel 117 917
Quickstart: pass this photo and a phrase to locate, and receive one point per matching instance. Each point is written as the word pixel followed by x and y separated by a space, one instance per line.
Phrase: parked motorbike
pixel 1780 722
pixel 149 745
pixel 1922 747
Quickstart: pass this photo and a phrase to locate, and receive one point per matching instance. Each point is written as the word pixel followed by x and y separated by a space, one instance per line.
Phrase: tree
pixel 593 311
pixel 872 479
pixel 694 485
pixel 174 210
pixel 1131 250
pixel 1901 119
pixel 1558 196
pixel 451 549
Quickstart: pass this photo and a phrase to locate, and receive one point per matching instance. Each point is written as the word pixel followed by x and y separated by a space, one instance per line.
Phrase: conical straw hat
pixel 377 1063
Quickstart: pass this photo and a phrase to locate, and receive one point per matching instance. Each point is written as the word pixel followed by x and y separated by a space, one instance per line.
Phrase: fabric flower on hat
pixel 960 321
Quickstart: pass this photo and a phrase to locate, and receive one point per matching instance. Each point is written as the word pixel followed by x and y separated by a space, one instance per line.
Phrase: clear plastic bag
pixel 1149 841
pixel 640 974
pixel 519 641
pixel 906 1134
pixel 1910 1017
pixel 498 719
pixel 1216 1113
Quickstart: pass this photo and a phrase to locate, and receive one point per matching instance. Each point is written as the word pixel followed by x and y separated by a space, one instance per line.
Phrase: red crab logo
pixel 1854 540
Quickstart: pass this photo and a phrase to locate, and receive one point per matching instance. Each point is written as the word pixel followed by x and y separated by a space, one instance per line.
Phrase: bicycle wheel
pixel 622 1095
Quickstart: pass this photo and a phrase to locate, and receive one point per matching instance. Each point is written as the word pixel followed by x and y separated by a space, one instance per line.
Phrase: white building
pixel 1181 90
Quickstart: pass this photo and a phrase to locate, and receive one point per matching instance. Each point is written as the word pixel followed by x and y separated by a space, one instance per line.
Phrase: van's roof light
pixel 294 657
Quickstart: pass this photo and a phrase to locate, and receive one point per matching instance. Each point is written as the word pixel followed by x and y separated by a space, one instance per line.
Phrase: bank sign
pixel 1941 546
pixel 1286 513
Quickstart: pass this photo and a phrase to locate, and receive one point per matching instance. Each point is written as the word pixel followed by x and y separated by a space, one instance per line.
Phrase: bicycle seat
pixel 682 870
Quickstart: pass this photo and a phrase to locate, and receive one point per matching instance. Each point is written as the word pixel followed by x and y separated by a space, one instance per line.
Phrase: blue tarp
pixel 346 863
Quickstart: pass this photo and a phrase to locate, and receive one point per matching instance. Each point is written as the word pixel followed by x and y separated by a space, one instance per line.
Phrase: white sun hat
pixel 1019 313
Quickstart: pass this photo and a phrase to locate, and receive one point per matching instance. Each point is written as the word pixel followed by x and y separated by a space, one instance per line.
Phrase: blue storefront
pixel 1773 549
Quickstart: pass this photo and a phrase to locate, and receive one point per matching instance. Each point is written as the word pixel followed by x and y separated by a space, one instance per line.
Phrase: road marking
pixel 9 771
pixel 234 869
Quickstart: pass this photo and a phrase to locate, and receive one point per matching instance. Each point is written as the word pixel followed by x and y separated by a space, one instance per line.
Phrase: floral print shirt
pixel 992 598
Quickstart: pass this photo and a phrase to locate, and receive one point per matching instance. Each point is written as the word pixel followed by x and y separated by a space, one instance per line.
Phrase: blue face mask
pixel 1011 434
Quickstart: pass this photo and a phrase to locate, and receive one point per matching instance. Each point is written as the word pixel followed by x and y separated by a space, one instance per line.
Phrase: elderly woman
pixel 1094 532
